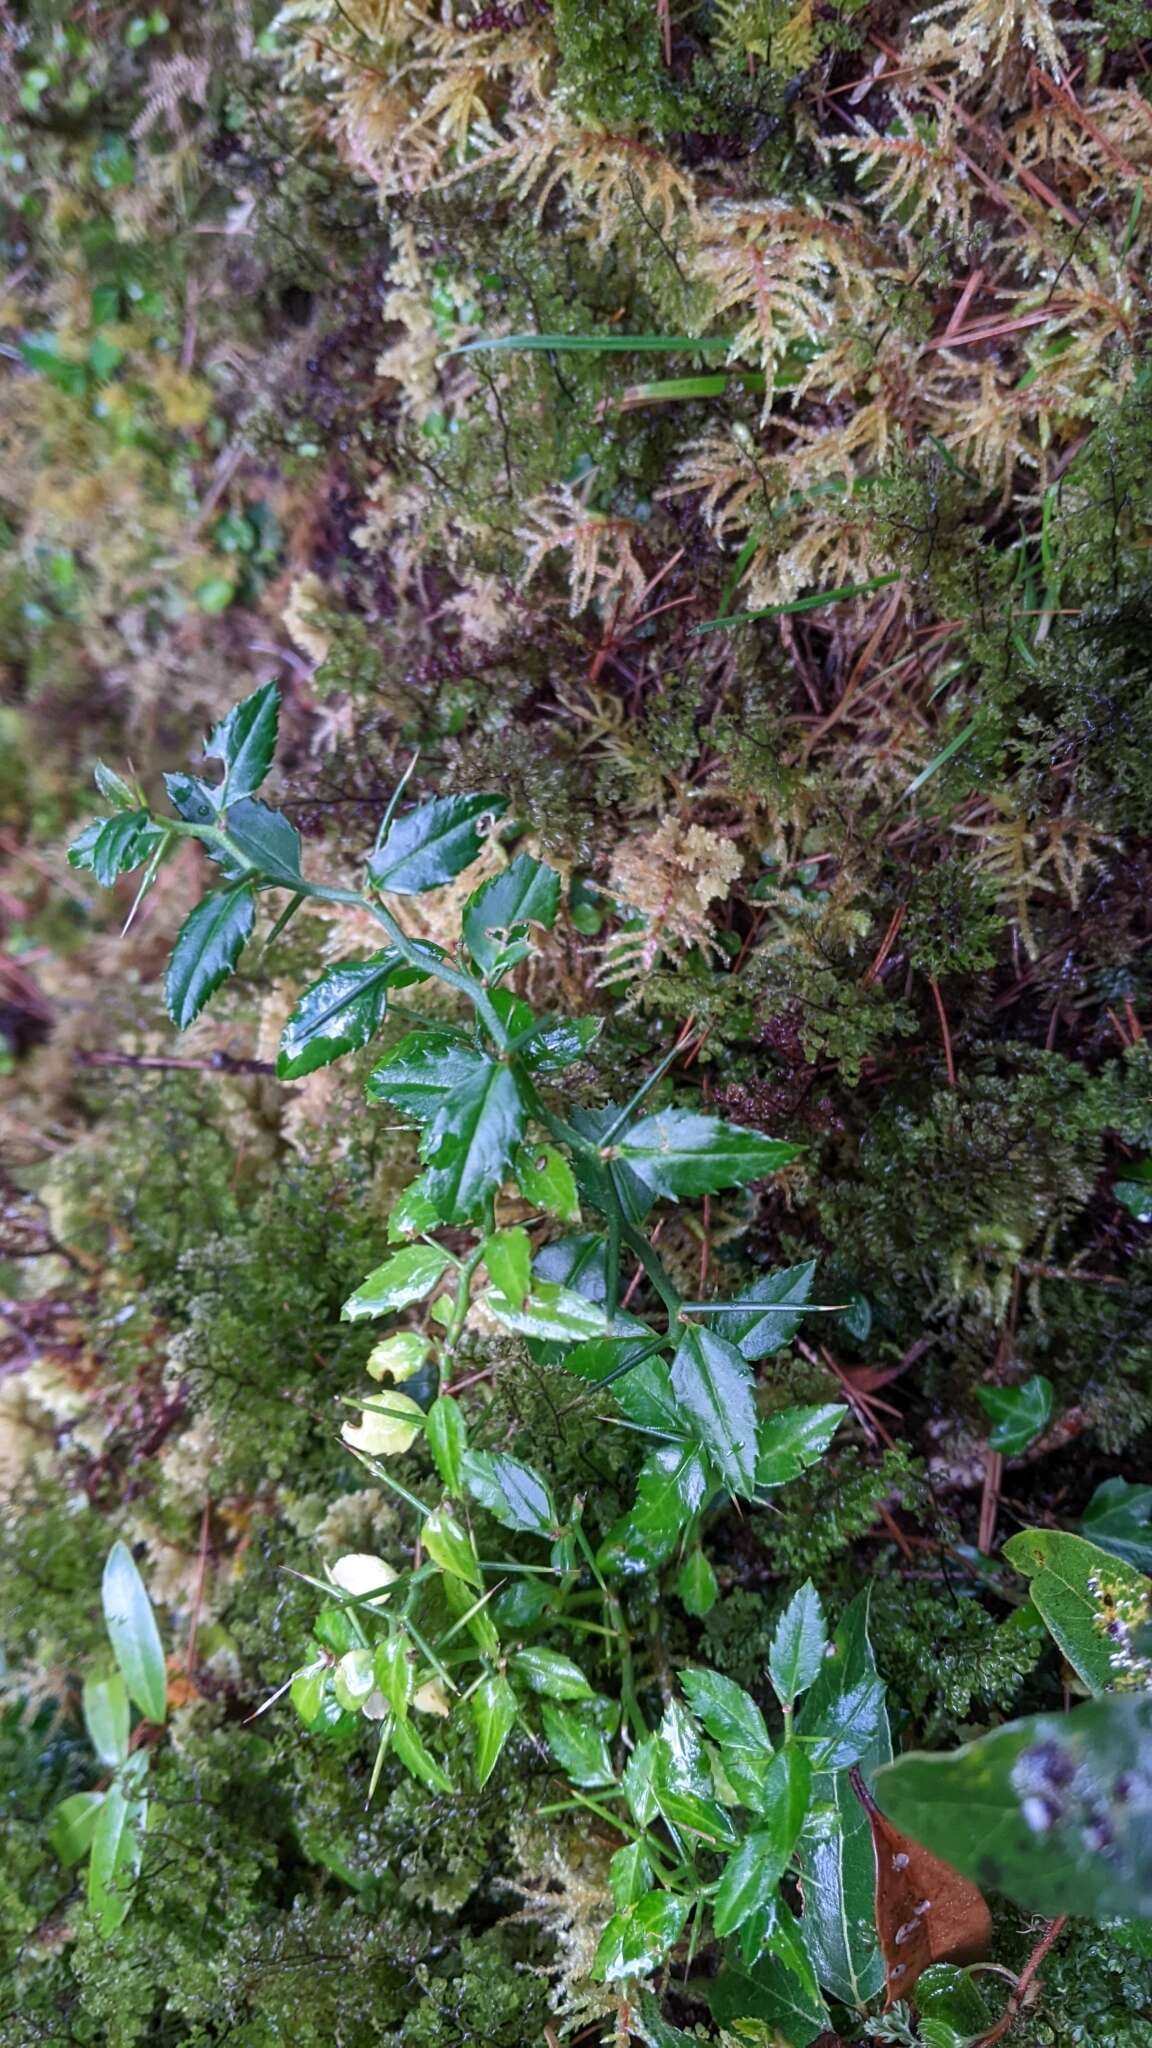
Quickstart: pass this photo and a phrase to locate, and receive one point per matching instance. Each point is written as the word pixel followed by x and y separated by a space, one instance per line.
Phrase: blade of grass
pixel 954 745
pixel 594 344
pixel 800 604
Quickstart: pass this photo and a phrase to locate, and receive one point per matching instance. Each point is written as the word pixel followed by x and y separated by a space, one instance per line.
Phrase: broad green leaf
pixel 782 1935
pixel 408 1276
pixel 1052 1810
pixel 513 1492
pixel 340 1013
pixel 422 1073
pixel 1018 1414
pixel 696 1585
pixel 246 741
pixel 559 1042
pixel 73 1825
pixel 713 1386
pixel 107 1717
pixel 1118 1517
pixel 793 1439
pixel 508 1258
pixel 417 1759
pixel 545 1179
pixel 433 843
pixel 673 1483
pixel 578 1745
pixel 450 1546
pixel 493 1709
pixel 750 1877
pixel 1093 1604
pixel 678 1758
pixel 559 1315
pixel 118 1847
pixel 798 1645
pixel 133 1634
pixel 447 1440
pixel 770 1993
pixel 760 1330
pixel 412 1214
pixel 678 1153
pixel 629 1875
pixel 844 1707
pixel 208 945
pixel 497 917
pixel 730 1715
pixel 267 840
pixel 950 1998
pixel 547 1672
pixel 470 1143
pixel 637 1940
pixel 578 1262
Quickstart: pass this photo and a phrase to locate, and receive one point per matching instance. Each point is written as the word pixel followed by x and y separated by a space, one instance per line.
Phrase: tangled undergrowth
pixel 716 441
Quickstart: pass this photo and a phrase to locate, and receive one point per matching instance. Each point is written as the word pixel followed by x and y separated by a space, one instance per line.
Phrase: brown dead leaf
pixel 925 1911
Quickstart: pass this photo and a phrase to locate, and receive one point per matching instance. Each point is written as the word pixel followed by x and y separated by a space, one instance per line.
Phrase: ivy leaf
pixel 245 741
pixel 494 1710
pixel 497 916
pixel 423 1072
pixel 678 1153
pixel 268 841
pixel 447 1438
pixel 714 1389
pixel 1093 1604
pixel 406 1277
pixel 758 1331
pixel 750 1877
pixel 1019 1414
pixel 793 1439
pixel 470 1143
pixel 637 1940
pixel 118 1847
pixel 513 1492
pixel 107 1716
pixel 579 1747
pixel 545 1179
pixel 508 1259
pixel 1052 1810
pixel 433 844
pixel 1117 1518
pixel 208 945
pixel 546 1671
pixel 798 1645
pixel 340 1013
pixel 133 1634
pixel 73 1825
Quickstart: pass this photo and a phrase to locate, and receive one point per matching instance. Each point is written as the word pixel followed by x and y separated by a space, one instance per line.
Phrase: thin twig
pixel 945 1034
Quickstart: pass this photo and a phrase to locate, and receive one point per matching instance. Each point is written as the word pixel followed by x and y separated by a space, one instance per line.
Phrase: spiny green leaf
pixel 793 1439
pixel 578 1745
pixel 268 841
pixel 339 1013
pixel 208 945
pixel 408 1276
pixel 679 1153
pixel 423 1071
pixel 246 741
pixel 637 1940
pixel 545 1179
pixel 497 917
pixel 470 1143
pixel 433 843
pixel 713 1387
pixel 756 1335
pixel 513 1492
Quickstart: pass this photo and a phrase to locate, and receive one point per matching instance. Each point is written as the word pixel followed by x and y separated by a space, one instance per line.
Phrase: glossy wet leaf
pixel 1093 1604
pixel 245 741
pixel 449 1545
pixel 545 1179
pixel 389 1425
pixel 636 1941
pixel 713 1388
pixel 1119 1518
pixel 578 1745
pixel 447 1436
pixel 673 1483
pixel 749 1879
pixel 422 1073
pixel 497 917
pixel 798 1643
pixel 418 1758
pixel 73 1825
pixel 117 1849
pixel 729 1714
pixel 508 1260
pixel 408 1276
pixel 208 945
pixel 793 1439
pixel 120 844
pixel 1018 1414
pixel 557 1314
pixel 775 1316
pixel 339 1014
pixel 133 1633
pixel 1052 1810
pixel 551 1673
pixel 267 840
pixel 468 1147
pixel 769 1992
pixel 515 1493
pixel 433 843
pixel 679 1153
pixel 493 1709
pixel 107 1716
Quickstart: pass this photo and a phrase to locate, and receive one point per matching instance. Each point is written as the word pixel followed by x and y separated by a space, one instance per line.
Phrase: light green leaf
pixel 208 945
pixel 546 1671
pixel 497 917
pixel 696 1585
pixel 793 1439
pixel 118 1847
pixel 508 1258
pixel 447 1437
pixel 1019 1414
pixel 558 1315
pixel 678 1153
pixel 578 1745
pixel 494 1709
pixel 417 1759
pixel 408 1276
pixel 545 1179
pixel 1094 1605
pixel 107 1717
pixel 758 1331
pixel 798 1645
pixel 433 843
pixel 713 1387
pixel 629 1875
pixel 450 1546
pixel 469 1145
pixel 73 1825
pixel 133 1634
pixel 246 741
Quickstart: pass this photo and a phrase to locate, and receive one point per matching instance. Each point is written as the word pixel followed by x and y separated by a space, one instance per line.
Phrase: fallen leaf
pixel 925 1911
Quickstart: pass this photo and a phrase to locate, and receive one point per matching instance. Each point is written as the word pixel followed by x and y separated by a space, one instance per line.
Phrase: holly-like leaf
pixel 114 789
pixel 423 1072
pixel 678 1153
pixel 494 1709
pixel 193 799
pixel 793 1439
pixel 773 1319
pixel 672 1485
pixel 408 1276
pixel 513 1492
pixel 559 1042
pixel 73 1825
pixel 844 1706
pixel 1117 1518
pixel 713 1388
pixel 433 843
pixel 508 1259
pixel 470 1143
pixel 1094 1605
pixel 208 945
pixel 926 1911
pixel 119 844
pixel 629 1875
pixel 133 1634
pixel 1052 1810
pixel 497 917
pixel 578 1745
pixel 340 1013
pixel 245 741
pixel 1018 1414
pixel 730 1715
pixel 798 1645
pixel 559 1315
pixel 268 841
pixel 545 1179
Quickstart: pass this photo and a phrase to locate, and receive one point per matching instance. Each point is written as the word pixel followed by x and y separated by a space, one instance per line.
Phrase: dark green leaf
pixel 423 1071
pixel 678 1153
pixel 1052 1811
pixel 114 789
pixel 770 1993
pixel 408 1276
pixel 417 1759
pixel 447 1439
pixel 122 843
pixel 672 1484
pixel 267 839
pixel 494 1710
pixel 750 1877
pixel 793 1439
pixel 950 1997
pixel 559 1043
pixel 756 1334
pixel 513 1492
pixel 107 1716
pixel 192 799
pixel 578 1745
pixel 133 1634
pixel 629 1875
pixel 546 1671
pixel 1117 1518
pixel 1019 1414
pixel 73 1825
pixel 637 1782
pixel 497 917
pixel 340 1013
pixel 844 1708
pixel 246 741
pixel 798 1645
pixel 433 843
pixel 857 1317
pixel 637 1940
pixel 469 1145
pixel 713 1386
pixel 208 945
pixel 730 1715
pixel 1093 1604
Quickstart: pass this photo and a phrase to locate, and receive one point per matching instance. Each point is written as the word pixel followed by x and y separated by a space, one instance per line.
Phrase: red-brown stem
pixel 1012 2010
pixel 945 1034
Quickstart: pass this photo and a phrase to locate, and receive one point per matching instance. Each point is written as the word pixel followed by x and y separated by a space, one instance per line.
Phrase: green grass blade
pixel 954 745
pixel 800 604
pixel 594 344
